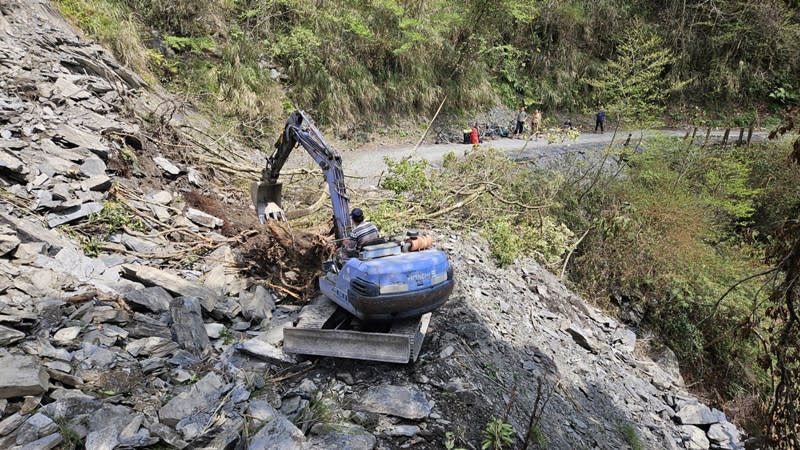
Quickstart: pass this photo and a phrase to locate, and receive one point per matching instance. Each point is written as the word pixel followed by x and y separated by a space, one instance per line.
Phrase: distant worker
pixel 536 122
pixel 567 124
pixel 600 120
pixel 522 116
pixel 474 137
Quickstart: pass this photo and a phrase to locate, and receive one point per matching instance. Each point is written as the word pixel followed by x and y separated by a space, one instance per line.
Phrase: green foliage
pixel 506 245
pixel 497 435
pixel 116 217
pixel 192 44
pixel 538 438
pixel 406 175
pixel 635 85
pixel 70 439
pixel 630 435
pixel 665 233
pixel 113 25
pixel 491 193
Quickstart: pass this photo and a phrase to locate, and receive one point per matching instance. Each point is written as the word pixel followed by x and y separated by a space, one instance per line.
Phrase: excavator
pixel 376 305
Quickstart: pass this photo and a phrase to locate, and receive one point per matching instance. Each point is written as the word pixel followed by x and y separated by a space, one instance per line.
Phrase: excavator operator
pixel 363 231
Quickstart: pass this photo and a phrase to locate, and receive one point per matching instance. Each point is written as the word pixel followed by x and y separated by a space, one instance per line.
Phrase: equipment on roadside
pixel 383 294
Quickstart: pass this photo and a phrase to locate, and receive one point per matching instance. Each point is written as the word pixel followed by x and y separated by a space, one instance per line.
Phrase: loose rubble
pixel 110 343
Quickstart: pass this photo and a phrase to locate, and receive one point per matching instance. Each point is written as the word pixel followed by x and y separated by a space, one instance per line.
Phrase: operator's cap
pixel 357 213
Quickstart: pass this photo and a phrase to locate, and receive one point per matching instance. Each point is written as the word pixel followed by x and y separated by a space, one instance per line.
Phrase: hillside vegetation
pixel 362 64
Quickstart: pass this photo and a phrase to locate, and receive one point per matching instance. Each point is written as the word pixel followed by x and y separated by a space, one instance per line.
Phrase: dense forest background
pixel 699 246
pixel 357 64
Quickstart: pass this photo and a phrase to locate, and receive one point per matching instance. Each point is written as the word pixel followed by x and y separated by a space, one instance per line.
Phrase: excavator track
pixel 324 329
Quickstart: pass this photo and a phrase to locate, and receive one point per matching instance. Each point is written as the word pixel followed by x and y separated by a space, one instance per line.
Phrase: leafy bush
pixel 497 435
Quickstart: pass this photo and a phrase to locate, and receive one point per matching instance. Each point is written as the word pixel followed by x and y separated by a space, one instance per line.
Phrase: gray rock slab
pixel 62 191
pixel 37 426
pixel 9 336
pixel 13 166
pixel 93 167
pixel 624 339
pixel 159 197
pixel 99 183
pixel 12 422
pixel 188 329
pixel 402 430
pixel 146 326
pixel 33 231
pixel 172 283
pixel 214 330
pixel 8 240
pixel 46 443
pixel 73 214
pixel 154 299
pixel 66 336
pixel 724 435
pixel 698 414
pixel 693 438
pixel 264 350
pixel 26 252
pixel 151 346
pixel 167 166
pixel 202 218
pixel 399 401
pixel 340 436
pixel 21 376
pixel 216 280
pixel 257 305
pixel 201 397
pixel 54 165
pixel 278 433
pixel 140 245
pixel 583 338
pixel 80 138
pixel 66 88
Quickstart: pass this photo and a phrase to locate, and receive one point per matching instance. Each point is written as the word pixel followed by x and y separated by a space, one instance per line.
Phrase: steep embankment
pixel 143 325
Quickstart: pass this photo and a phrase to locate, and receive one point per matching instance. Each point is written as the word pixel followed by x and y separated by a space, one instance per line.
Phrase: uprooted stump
pixel 291 257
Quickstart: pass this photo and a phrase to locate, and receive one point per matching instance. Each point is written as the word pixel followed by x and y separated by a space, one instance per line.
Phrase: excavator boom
pixel 266 193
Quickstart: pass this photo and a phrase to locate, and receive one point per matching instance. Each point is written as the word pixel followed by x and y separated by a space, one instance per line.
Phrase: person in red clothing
pixel 473 137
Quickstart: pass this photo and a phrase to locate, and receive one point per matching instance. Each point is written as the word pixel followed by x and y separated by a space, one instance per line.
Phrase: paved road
pixel 367 162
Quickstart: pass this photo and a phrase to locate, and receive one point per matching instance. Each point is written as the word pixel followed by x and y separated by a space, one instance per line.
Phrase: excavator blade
pixel 400 344
pixel 267 201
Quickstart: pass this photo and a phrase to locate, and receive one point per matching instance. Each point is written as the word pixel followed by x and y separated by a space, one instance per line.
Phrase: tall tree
pixel 635 84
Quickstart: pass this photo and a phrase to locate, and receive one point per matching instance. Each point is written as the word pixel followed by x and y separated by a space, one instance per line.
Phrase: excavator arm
pixel 299 129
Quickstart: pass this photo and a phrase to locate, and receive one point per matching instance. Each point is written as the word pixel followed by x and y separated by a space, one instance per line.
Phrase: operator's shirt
pixel 364 232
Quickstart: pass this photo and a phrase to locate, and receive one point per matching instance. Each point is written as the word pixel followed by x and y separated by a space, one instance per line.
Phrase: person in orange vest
pixel 473 137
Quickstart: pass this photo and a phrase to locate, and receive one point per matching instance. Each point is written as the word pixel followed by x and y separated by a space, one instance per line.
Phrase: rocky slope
pixel 158 332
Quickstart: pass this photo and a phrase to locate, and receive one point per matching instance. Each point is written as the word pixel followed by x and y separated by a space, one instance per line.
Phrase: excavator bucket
pixel 267 201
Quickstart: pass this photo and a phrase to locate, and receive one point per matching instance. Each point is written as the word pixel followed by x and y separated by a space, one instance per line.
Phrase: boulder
pixel 201 397
pixel 187 326
pixel 9 336
pixel 399 401
pixel 278 433
pixel 340 436
pixel 698 414
pixel 154 299
pixel 203 219
pixel 21 376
